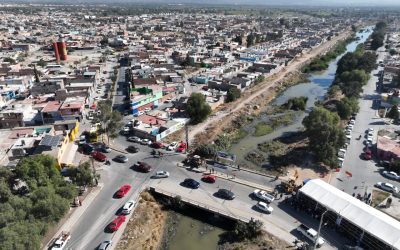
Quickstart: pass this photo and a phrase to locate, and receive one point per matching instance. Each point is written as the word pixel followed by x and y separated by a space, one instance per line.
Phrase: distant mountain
pixel 230 2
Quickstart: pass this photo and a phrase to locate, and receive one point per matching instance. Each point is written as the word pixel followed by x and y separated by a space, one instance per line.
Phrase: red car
pixel 143 167
pixel 116 223
pixel 157 144
pixel 367 155
pixel 181 147
pixel 123 190
pixel 209 178
pixel 99 156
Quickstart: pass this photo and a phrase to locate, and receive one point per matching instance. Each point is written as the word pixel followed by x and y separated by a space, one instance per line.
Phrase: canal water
pixel 192 234
pixel 314 90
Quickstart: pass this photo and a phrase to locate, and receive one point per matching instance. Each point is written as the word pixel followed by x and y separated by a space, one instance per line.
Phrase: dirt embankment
pixel 145 228
pixel 264 241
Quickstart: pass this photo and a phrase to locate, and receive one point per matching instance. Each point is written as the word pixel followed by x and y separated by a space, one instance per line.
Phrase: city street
pixel 364 173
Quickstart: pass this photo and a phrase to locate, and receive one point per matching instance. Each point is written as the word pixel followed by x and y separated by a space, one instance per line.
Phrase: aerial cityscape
pixel 166 125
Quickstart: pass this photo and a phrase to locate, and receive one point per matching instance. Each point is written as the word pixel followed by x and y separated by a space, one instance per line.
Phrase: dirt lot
pixel 146 226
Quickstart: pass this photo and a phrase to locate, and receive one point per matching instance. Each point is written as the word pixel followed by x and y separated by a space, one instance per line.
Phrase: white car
pixel 172 146
pixel 348 132
pixel 128 207
pixel 134 139
pixel 161 174
pixel 370 130
pixel 342 153
pixel 145 142
pixel 370 133
pixel 391 175
pixel 352 122
pixel 311 234
pixel 350 127
pixel 126 129
pixel 387 187
pixel 139 113
pixel 263 195
pixel 264 207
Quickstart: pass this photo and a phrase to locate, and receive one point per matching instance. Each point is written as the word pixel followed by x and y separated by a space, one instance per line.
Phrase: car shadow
pixel 107 230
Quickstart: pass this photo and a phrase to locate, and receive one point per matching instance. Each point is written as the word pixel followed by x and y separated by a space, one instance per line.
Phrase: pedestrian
pixel 206 167
pixel 80 202
pixel 238 167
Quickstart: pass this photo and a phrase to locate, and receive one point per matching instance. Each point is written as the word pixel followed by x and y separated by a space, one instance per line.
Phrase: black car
pixel 121 158
pixel 225 194
pixel 86 148
pixel 191 183
pixel 132 149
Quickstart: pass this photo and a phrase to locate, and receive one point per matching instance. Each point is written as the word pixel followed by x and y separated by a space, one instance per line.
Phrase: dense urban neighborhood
pixel 199 127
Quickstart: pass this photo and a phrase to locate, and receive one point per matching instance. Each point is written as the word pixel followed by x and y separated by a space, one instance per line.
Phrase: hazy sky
pixel 353 3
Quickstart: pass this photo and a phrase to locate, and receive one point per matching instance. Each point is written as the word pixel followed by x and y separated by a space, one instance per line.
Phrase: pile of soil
pixel 146 226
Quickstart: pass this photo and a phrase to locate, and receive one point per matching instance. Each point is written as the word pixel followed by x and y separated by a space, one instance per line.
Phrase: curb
pixel 255 172
pixel 64 226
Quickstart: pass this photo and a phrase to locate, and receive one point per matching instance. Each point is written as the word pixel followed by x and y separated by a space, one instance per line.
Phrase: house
pixel 388 148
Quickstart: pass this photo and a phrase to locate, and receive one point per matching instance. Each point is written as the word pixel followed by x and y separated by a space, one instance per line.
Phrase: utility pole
pixel 187 136
pixel 319 229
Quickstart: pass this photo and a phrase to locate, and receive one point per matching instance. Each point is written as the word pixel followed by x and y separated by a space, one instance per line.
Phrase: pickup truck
pixel 61 241
pixel 311 234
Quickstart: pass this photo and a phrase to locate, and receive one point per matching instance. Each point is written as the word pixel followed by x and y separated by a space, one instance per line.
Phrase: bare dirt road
pixel 220 119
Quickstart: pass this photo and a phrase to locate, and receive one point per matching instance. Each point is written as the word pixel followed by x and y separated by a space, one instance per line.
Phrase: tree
pixel 9 59
pixel 325 135
pixel 42 63
pixel 197 108
pixel 393 113
pixel 250 40
pixel 35 72
pixel 233 94
pixel 83 175
pixel 111 121
pixel 296 103
pixel 333 91
pixel 346 107
pixel 206 151
pixel 223 142
pixel 248 230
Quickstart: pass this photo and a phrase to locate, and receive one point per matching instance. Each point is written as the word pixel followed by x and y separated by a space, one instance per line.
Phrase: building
pixel 145 97
pixel 387 148
pixel 371 228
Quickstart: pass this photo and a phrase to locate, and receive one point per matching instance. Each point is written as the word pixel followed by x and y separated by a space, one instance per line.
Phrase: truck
pixel 61 241
pixel 311 234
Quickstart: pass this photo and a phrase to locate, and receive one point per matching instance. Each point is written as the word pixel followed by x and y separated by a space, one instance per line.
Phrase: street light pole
pixel 319 229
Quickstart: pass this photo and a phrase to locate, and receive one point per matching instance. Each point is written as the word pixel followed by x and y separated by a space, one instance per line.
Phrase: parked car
pixel 122 191
pixel 132 149
pixel 161 174
pixel 367 155
pixel 263 195
pixel 191 183
pixel 209 178
pixel 391 175
pixel 126 130
pixel 225 194
pixel 146 142
pixel 134 139
pixel 143 167
pixel 128 207
pixel 116 223
pixel 99 156
pixel 172 146
pixel 387 187
pixel 121 158
pixel 105 245
pixel 352 122
pixel 86 148
pixel 139 113
pixel 104 148
pixel 264 207
pixel 157 145
pixel 82 140
pixel 181 147
pixel 311 234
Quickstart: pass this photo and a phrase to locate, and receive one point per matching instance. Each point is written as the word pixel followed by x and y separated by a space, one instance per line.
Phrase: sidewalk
pixel 75 213
pixel 236 180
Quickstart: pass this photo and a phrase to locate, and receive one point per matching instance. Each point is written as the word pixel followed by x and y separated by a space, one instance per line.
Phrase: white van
pixel 311 234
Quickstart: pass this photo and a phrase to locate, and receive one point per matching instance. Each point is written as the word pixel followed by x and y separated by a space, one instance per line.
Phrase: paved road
pixel 121 91
pixel 365 173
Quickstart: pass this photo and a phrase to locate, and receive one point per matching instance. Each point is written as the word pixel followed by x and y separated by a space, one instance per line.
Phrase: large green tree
pixel 233 94
pixel 325 134
pixel 111 121
pixel 393 113
pixel 197 108
pixel 346 106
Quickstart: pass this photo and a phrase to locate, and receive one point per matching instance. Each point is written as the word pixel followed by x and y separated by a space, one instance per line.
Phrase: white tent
pixel 371 220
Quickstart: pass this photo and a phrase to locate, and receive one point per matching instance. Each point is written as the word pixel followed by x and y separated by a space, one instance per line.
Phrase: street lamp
pixel 319 229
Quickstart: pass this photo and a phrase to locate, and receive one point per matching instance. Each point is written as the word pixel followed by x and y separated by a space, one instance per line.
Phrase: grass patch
pixel 240 134
pixel 378 197
pixel 263 129
pixel 275 147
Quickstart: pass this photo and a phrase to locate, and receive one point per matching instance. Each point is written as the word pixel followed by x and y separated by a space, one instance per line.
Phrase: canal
pixel 314 90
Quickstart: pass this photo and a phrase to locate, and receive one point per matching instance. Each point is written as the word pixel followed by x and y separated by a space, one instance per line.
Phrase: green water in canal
pixel 192 234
